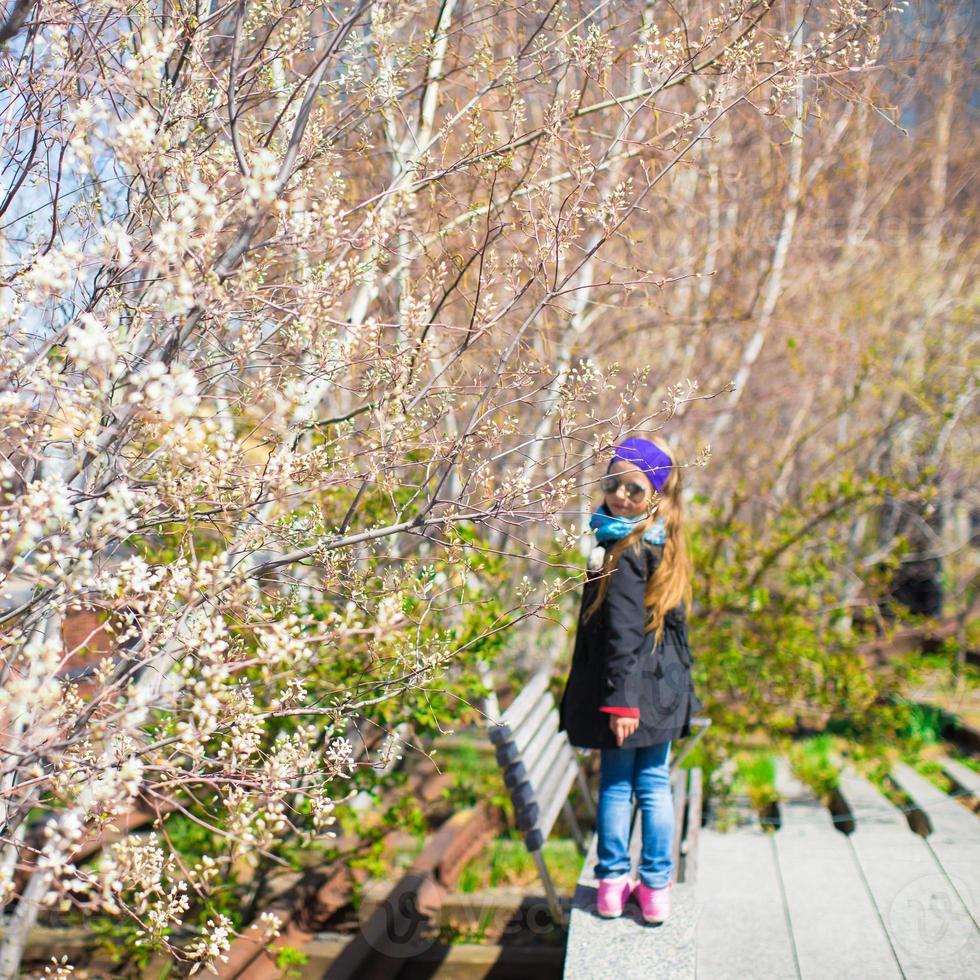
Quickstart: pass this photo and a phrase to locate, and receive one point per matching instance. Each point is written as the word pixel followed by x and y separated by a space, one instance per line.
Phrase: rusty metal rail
pixel 397 928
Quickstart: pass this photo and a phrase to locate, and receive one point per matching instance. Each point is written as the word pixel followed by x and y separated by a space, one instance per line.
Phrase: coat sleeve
pixel 626 616
pixel 622 712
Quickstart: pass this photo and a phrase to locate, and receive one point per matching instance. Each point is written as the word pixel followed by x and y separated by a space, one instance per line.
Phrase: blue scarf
pixel 608 528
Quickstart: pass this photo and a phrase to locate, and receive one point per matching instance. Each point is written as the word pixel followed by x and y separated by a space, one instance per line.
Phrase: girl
pixel 629 692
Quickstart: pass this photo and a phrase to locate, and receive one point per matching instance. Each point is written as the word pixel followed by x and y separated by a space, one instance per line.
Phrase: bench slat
pixel 524 733
pixel 552 807
pixel 519 708
pixel 507 736
pixel 557 752
pixel 544 734
pixel 535 793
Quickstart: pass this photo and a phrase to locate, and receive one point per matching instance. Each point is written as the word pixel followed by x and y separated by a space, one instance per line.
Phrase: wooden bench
pixel 539 768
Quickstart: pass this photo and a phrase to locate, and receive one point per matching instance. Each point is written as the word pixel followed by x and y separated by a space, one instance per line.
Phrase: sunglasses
pixel 635 491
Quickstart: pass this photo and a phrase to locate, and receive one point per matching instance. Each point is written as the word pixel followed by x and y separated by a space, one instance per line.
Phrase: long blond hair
pixel 670 584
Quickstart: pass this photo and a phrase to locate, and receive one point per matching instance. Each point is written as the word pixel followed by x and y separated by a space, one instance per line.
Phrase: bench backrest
pixel 538 763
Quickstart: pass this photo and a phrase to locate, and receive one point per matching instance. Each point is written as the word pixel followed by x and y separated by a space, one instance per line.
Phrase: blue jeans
pixel 644 772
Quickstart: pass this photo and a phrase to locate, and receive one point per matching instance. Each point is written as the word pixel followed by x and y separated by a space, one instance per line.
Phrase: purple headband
pixel 645 456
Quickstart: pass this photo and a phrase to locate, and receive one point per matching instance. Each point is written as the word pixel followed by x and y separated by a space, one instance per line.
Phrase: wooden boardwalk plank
pixel 964 776
pixel 950 820
pixel 872 811
pixel 955 837
pixel 743 931
pixel 904 879
pixel 835 926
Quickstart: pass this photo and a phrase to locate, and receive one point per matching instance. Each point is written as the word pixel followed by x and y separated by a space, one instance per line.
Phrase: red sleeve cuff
pixel 624 712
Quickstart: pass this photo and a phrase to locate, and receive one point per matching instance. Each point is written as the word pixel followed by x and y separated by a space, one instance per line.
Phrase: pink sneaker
pixel 654 902
pixel 613 893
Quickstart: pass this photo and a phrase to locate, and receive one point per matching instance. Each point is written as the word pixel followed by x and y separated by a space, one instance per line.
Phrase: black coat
pixel 614 664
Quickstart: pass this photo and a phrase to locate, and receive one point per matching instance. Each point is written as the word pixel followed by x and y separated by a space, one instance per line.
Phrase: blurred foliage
pixel 119 940
pixel 811 761
pixel 476 776
pixel 288 957
pixel 768 630
pixel 756 777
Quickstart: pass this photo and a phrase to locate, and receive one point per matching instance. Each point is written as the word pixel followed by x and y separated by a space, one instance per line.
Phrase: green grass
pixel 966 760
pixel 756 776
pixel 719 798
pixel 476 775
pixel 455 933
pixel 506 861
pixel 924 724
pixel 933 771
pixel 810 760
pixel 945 657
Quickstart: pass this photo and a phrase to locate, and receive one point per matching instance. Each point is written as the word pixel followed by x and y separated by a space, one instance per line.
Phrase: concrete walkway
pixel 627 948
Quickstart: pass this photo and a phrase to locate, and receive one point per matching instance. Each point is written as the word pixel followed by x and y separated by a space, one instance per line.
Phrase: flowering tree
pixel 297 303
